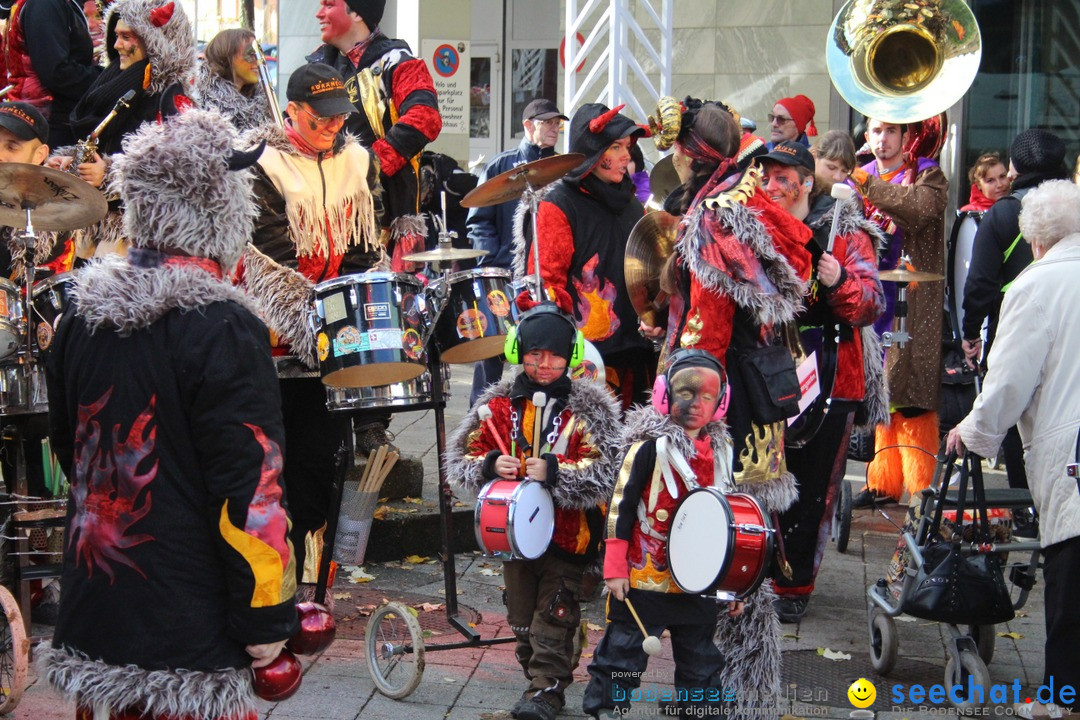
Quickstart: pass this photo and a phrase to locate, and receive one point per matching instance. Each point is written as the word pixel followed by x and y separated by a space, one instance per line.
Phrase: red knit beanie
pixel 802 112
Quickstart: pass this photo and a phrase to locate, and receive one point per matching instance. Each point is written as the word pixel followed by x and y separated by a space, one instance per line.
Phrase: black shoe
pixel 537 708
pixel 518 705
pixel 870 498
pixel 790 609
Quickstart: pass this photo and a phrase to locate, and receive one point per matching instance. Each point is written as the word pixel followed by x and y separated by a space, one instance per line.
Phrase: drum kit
pixel 34 198
pixel 903 277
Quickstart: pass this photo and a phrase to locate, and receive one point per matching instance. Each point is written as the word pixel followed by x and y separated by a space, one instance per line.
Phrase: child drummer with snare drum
pixel 573 453
pixel 676 445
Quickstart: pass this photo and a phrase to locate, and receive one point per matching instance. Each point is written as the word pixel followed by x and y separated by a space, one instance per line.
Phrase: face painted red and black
pixel 693 397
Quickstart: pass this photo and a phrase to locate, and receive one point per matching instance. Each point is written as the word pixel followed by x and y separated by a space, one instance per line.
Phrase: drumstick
pixel 539 401
pixel 841 192
pixel 484 412
pixel 651 643
pixel 367 471
pixel 384 471
pixel 376 463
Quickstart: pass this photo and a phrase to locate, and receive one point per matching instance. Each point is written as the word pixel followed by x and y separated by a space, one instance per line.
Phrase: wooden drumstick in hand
pixel 651 643
pixel 539 400
pixel 484 412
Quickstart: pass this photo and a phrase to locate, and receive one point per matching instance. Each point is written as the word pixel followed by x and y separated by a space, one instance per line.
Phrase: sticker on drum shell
pixel 412 344
pixel 411 309
pixel 499 303
pixel 348 341
pixel 471 324
pixel 322 346
pixel 44 335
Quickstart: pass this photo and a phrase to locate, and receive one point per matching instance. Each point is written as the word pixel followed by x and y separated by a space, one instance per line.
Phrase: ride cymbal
pixel 650 244
pixel 900 275
pixel 57 201
pixel 444 255
pixel 512 183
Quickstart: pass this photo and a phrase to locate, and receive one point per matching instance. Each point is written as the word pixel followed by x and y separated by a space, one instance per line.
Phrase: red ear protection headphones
pixel 660 399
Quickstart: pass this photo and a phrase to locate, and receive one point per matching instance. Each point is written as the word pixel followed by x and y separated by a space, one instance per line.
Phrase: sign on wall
pixel 448 61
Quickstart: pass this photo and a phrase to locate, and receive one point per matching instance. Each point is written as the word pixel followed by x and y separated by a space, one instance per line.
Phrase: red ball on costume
pixel 280 679
pixel 317 629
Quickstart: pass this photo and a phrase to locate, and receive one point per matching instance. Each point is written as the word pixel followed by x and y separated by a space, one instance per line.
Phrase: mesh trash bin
pixel 354 525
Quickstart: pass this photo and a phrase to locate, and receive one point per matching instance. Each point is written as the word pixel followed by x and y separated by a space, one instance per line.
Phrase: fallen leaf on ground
pixel 416 559
pixel 904 618
pixel 381 512
pixel 365 610
pixel 1013 635
pixel 490 572
pixel 789 636
pixel 585 654
pixel 832 654
pixel 414 501
pixel 342 596
pixel 449 680
pixel 357 575
pixel 593 626
pixel 431 607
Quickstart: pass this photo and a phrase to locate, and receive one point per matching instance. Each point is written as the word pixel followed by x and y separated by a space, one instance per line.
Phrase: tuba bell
pixel 902 61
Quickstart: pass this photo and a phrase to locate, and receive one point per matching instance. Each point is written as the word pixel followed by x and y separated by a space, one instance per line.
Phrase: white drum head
pixel 592 367
pixel 531 520
pixel 965 243
pixel 699 540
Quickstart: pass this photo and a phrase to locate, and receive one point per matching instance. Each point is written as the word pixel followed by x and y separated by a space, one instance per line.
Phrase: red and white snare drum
pixel 514 519
pixel 719 543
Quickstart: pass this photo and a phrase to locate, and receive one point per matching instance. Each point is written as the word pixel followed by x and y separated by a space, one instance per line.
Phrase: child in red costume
pixel 577 463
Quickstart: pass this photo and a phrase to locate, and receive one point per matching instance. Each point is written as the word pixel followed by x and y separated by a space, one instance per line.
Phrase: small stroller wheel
pixel 843 517
pixel 884 643
pixel 395 650
pixel 985 636
pixel 14 652
pixel 971 666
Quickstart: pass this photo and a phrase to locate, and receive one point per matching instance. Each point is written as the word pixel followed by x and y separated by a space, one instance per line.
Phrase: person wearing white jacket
pixel 1034 370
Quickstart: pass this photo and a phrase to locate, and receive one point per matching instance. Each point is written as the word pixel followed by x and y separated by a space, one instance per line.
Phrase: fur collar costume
pixel 217 93
pixel 645 423
pixel 590 403
pixel 727 245
pixel 180 199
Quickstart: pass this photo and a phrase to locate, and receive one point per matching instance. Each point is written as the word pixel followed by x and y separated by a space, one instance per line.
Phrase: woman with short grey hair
pixel 1034 368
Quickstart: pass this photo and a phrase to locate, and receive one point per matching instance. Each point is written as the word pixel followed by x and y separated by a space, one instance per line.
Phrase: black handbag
pixel 953 587
pixel 771 384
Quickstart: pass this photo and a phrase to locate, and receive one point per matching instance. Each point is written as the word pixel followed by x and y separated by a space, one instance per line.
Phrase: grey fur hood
pixel 170 48
pixel 577 489
pixel 643 422
pixel 178 192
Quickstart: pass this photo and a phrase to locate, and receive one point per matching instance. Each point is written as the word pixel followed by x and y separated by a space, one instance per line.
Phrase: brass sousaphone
pixel 903 61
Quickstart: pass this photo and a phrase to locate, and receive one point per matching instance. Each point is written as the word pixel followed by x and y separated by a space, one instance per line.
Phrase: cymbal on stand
pixel 663 179
pixel 512 183
pixel 901 275
pixel 445 255
pixel 57 200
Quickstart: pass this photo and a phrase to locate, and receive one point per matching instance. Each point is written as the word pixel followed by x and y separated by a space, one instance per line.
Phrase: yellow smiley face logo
pixel 862 693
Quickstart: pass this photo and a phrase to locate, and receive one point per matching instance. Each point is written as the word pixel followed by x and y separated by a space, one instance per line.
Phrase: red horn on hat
pixel 561 298
pixel 160 16
pixel 597 124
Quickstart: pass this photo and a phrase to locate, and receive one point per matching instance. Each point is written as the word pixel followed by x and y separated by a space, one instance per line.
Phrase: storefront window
pixel 1029 76
pixel 535 74
pixel 480 98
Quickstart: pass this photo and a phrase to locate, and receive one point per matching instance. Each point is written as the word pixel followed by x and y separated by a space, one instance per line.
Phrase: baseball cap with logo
pixel 790 152
pixel 24 121
pixel 321 87
pixel 542 109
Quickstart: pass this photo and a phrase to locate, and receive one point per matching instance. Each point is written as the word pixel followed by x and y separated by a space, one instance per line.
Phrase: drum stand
pixel 900 336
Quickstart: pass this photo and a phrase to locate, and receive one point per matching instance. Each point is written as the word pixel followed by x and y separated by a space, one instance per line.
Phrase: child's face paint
pixel 543 366
pixel 693 397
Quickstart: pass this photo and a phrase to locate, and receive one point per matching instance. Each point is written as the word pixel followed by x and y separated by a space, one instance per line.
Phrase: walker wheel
pixel 395 650
pixel 14 653
pixel 985 636
pixel 842 520
pixel 884 643
pixel 971 666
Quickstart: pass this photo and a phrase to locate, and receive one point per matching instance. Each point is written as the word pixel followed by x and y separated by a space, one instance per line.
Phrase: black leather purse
pixel 771 384
pixel 957 588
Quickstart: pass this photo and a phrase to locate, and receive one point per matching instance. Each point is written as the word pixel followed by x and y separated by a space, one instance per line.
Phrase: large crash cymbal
pixel 444 255
pixel 57 201
pixel 900 275
pixel 512 183
pixel 650 244
pixel 663 179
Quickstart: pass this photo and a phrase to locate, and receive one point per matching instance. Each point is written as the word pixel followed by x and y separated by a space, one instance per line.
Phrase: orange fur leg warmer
pixel 922 432
pixel 885 473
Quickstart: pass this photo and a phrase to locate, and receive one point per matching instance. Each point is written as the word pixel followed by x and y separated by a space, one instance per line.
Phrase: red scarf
pixel 301 144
